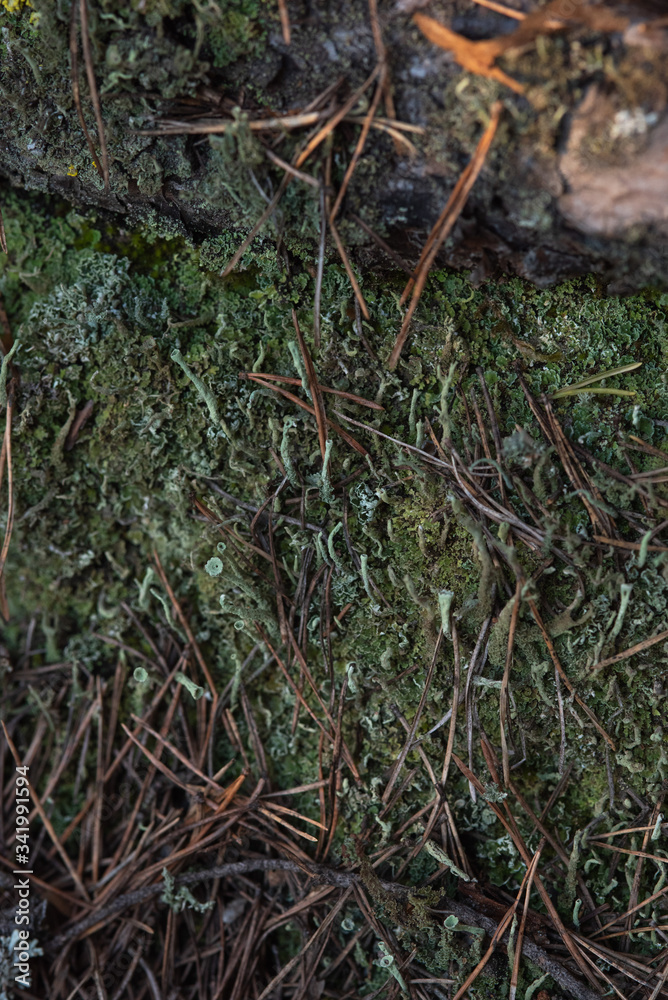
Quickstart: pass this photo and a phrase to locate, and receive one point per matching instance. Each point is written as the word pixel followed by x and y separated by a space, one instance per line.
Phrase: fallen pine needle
pixel 638 648
pixel 444 226
pixel 291 380
pixel 348 438
pixel 314 388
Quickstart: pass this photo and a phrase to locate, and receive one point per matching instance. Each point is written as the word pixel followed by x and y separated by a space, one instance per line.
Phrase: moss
pixel 98 313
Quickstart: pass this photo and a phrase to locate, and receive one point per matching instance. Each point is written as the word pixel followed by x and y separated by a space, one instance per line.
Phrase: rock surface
pixel 575 182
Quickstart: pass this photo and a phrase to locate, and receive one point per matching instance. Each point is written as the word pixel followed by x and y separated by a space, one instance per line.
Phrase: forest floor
pixel 335 635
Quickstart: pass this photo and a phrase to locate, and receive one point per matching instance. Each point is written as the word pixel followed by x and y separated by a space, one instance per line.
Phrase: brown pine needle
pixel 416 720
pixel 292 812
pixel 289 826
pixel 158 764
pixel 503 700
pixel 638 648
pixel 555 660
pixel 217 126
pixel 638 906
pixel 424 455
pixel 320 270
pixel 268 212
pixel 36 800
pixel 285 20
pixel 185 624
pixel 455 705
pixel 3 238
pixel 348 438
pixel 381 54
pixel 179 756
pixel 399 261
pixel 626 850
pixel 480 56
pixel 501 9
pixel 349 271
pixel 314 388
pixel 281 123
pixel 94 96
pixel 99 787
pixel 284 165
pixel 512 993
pixel 9 527
pixel 76 91
pixel 633 546
pixel 443 227
pixel 503 925
pixel 322 133
pixel 290 380
pixel 295 688
pixel 361 142
pixel 629 829
pixel 289 966
pixel 508 821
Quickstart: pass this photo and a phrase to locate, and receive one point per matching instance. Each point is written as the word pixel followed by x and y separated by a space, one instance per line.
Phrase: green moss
pixel 98 313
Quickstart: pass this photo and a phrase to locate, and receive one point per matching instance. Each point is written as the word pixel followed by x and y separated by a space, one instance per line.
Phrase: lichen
pixel 98 317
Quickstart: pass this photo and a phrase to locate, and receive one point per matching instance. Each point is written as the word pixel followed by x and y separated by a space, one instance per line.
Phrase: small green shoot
pixel 578 387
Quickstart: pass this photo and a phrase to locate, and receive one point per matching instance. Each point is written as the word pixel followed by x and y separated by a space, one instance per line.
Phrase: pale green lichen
pixel 101 325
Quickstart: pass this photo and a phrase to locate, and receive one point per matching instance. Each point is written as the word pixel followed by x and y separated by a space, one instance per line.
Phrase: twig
pixel 328 876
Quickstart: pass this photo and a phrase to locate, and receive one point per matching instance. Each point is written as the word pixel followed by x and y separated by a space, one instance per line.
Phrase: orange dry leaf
pixel 476 57
pixel 480 57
